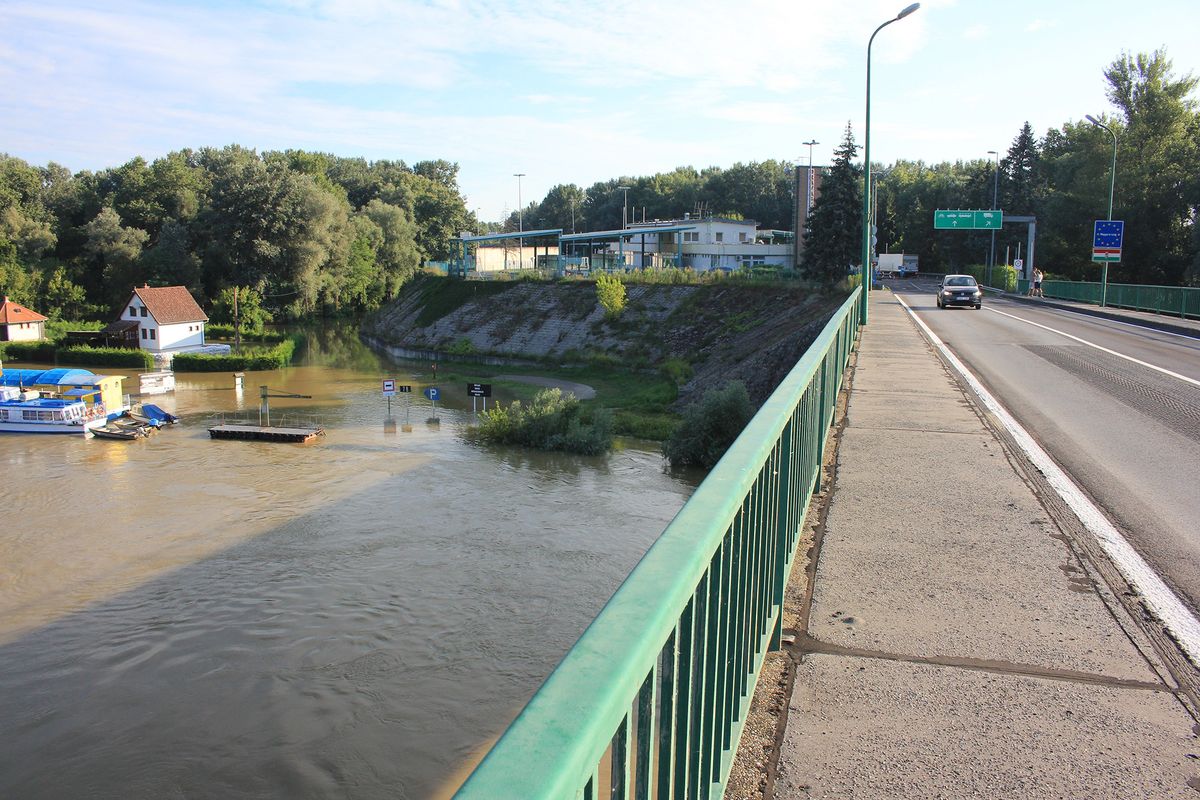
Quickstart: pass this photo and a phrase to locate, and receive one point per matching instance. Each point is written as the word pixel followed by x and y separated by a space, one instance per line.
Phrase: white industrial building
pixel 702 244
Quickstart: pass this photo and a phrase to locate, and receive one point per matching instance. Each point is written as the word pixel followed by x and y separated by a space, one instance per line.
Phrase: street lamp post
pixel 866 212
pixel 520 223
pixel 808 191
pixel 1112 184
pixel 995 199
pixel 624 206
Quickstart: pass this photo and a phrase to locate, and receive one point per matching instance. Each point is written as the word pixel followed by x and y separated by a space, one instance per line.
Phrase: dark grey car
pixel 959 290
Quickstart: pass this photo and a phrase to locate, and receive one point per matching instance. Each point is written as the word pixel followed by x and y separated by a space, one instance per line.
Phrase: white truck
pixel 898 264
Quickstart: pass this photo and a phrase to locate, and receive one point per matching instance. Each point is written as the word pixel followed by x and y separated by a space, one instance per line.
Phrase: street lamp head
pixel 1091 119
pixel 908 11
pixel 992 153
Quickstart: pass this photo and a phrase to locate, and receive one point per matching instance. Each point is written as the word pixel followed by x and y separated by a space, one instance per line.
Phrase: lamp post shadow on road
pixel 865 271
pixel 1112 184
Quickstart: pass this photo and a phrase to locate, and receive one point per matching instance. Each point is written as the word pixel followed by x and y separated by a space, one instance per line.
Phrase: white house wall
pixel 25 331
pixel 183 334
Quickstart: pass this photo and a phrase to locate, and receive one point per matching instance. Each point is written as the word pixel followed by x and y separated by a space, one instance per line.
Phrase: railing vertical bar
pixel 647 703
pixel 764 562
pixel 747 584
pixel 619 781
pixel 737 582
pixel 669 658
pixel 756 585
pixel 783 526
pixel 712 687
pixel 683 705
pixel 697 768
pixel 725 676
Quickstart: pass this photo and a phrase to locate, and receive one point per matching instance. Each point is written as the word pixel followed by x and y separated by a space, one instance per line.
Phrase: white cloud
pixel 976 32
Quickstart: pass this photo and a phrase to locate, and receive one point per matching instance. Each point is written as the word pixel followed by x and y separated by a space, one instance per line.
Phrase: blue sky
pixel 564 92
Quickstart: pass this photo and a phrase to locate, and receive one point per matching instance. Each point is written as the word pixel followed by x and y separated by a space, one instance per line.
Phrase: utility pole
pixel 995 200
pixel 520 223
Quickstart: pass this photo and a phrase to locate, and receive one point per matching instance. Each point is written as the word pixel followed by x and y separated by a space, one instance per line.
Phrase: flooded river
pixel 182 617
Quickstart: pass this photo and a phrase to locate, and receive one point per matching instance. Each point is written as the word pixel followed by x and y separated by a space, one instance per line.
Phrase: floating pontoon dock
pixel 264 434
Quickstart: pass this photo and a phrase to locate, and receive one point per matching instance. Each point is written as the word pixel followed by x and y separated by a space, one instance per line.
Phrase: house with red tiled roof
pixel 161 319
pixel 19 324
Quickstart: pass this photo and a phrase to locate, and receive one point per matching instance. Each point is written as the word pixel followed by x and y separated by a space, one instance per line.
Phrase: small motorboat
pixel 111 431
pixel 151 414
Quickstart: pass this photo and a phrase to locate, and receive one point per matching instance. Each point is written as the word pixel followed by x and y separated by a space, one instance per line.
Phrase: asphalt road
pixel 1129 435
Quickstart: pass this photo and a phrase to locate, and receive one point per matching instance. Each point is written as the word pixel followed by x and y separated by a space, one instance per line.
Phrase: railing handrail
pixel 552 748
pixel 1111 284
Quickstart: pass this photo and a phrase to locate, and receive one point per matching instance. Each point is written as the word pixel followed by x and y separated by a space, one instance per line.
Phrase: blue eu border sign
pixel 1108 237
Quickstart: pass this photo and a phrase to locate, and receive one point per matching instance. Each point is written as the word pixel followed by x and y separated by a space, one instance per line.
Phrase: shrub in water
pixel 709 427
pixel 551 421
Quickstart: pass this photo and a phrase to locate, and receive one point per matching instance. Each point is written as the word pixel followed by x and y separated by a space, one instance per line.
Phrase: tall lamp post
pixel 808 199
pixel 866 212
pixel 624 206
pixel 1112 184
pixel 995 199
pixel 520 223
pixel 798 229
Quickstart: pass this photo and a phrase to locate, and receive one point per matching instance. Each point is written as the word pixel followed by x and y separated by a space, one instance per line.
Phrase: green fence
pixel 652 698
pixel 1175 300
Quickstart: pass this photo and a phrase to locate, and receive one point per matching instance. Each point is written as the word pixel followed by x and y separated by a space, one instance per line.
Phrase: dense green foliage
pixel 551 421
pixel 106 356
pixel 28 351
pixel 307 232
pixel 276 357
pixel 709 427
pixel 761 191
pixel 610 293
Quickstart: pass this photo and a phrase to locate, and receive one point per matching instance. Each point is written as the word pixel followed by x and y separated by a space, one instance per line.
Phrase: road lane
pixel 1128 434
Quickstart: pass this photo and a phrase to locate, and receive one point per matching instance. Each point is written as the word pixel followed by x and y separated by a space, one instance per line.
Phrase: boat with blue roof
pixel 58 400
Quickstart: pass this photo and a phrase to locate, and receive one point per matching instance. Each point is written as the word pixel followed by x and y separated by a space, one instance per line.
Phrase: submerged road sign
pixel 968 219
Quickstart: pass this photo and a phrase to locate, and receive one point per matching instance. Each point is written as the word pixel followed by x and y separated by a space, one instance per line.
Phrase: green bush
pixel 709 427
pixel 217 330
pixel 28 351
pixel 462 347
pixel 676 370
pixel 276 357
pixel 610 292
pixel 106 356
pixel 551 421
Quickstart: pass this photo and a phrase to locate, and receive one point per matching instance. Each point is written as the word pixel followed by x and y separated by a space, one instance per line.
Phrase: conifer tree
pixel 833 240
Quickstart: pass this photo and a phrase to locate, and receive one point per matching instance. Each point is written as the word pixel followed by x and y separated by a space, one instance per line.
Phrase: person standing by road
pixel 1036 288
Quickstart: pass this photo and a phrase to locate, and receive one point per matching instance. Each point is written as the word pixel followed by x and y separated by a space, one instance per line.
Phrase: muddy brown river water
pixel 182 617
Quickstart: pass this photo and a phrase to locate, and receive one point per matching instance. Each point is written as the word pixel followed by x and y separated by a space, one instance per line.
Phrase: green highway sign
pixel 989 220
pixel 968 220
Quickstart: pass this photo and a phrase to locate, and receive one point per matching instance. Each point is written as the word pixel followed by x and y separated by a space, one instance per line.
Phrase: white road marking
pixel 1094 318
pixel 1159 598
pixel 1145 364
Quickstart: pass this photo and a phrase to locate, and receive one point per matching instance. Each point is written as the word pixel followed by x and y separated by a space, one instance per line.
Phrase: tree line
pixel 316 233
pixel 306 232
pixel 1061 179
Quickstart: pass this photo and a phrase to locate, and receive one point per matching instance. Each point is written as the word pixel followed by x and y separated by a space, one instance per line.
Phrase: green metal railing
pixel 652 698
pixel 1178 301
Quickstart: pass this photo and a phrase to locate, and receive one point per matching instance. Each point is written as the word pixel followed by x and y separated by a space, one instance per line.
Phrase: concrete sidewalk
pixel 958 644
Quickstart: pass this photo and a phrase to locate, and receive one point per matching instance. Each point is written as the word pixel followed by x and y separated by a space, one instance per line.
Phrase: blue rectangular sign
pixel 1108 234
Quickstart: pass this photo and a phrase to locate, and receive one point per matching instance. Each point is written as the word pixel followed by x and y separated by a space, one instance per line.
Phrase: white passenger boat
pixel 32 412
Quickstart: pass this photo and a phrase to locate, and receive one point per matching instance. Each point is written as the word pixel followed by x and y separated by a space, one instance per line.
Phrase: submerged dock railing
pixel 650 702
